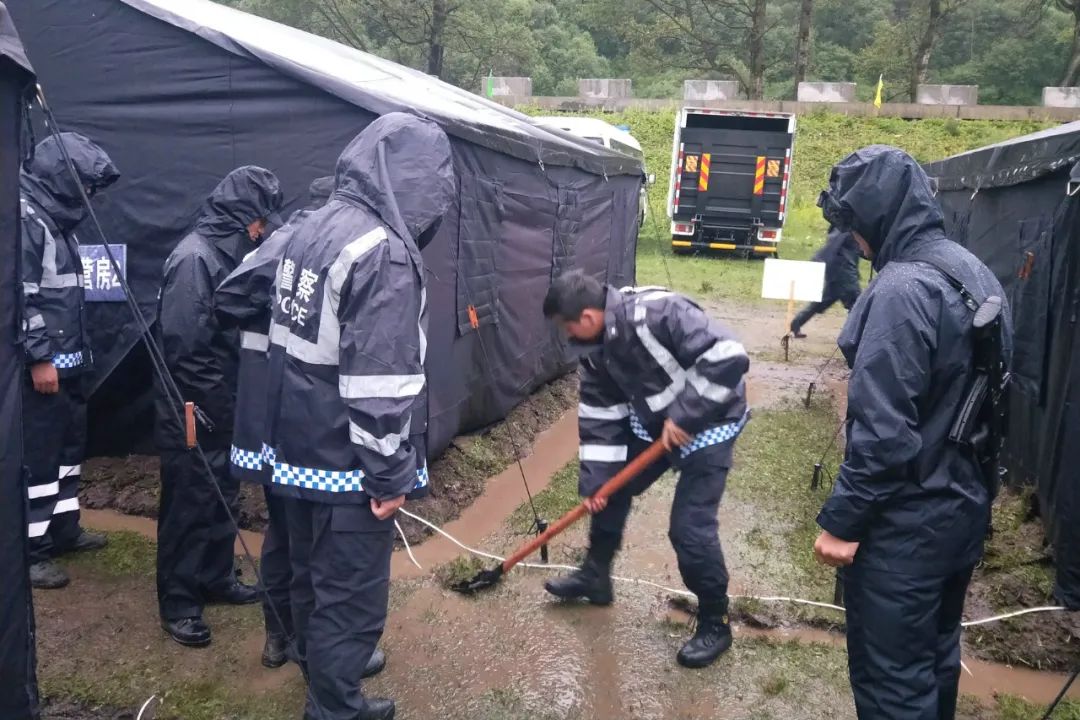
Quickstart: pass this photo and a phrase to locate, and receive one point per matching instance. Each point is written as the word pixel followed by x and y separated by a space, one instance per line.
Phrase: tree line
pixel 1010 48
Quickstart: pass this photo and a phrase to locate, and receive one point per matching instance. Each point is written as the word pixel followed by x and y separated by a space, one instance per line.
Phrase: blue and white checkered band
pixel 246 459
pixel 64 361
pixel 704 439
pixel 325 480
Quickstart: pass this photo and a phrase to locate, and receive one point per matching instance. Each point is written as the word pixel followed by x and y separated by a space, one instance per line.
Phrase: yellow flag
pixel 880 87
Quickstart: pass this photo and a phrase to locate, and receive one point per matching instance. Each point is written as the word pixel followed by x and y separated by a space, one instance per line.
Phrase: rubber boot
pixel 275 650
pixel 47 575
pixel 712 639
pixel 591 581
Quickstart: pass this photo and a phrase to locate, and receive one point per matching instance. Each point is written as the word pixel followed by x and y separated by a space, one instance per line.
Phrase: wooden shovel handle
pixel 632 469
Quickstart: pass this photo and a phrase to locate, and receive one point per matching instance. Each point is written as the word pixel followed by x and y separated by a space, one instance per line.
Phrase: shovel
pixel 486 578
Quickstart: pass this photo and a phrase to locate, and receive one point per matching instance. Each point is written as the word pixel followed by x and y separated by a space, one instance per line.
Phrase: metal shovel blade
pixel 483 580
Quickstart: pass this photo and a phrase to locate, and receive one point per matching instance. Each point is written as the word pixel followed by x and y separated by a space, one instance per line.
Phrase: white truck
pixel 730 176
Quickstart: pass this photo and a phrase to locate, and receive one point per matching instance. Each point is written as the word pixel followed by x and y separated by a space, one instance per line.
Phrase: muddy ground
pixel 512 653
pixel 131 485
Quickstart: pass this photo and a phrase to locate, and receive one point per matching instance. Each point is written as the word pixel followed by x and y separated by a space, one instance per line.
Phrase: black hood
pixel 889 199
pixel 400 166
pixel 245 195
pixel 49 184
pixel 319 191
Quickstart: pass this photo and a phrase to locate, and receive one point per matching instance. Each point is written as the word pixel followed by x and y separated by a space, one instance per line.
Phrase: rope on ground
pixel 685 593
pixel 145 705
pixel 405 540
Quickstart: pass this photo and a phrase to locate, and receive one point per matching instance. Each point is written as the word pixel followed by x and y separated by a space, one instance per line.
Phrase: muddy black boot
pixel 591 581
pixel 712 639
pixel 274 651
pixel 47 575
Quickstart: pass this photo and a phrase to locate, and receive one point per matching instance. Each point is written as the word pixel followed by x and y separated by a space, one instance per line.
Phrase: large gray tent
pixel 179 92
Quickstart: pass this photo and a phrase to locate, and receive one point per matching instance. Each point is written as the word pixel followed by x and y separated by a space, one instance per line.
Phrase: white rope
pixel 145 705
pixel 407 548
pixel 1017 613
pixel 684 593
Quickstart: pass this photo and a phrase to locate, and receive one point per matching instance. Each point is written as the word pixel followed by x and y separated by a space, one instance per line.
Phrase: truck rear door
pixel 733 169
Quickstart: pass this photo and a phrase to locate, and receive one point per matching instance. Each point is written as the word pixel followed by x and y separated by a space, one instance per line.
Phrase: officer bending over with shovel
pixel 655 366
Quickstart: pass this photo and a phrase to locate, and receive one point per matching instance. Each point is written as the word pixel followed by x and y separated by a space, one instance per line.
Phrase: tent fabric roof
pixel 1011 162
pixel 382 86
pixel 11 46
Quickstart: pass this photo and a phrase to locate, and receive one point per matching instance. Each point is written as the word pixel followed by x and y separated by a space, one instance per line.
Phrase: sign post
pixel 792 280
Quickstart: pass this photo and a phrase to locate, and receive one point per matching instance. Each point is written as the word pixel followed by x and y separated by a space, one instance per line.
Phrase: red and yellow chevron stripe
pixel 703 178
pixel 759 176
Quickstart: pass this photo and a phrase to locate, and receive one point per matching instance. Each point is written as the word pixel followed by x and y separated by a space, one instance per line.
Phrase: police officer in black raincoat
pixel 655 367
pixel 56 339
pixel 346 381
pixel 243 302
pixel 841 257
pixel 910 508
pixel 195 536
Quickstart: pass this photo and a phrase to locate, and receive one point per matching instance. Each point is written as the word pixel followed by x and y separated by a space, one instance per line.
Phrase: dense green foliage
pixel 1010 48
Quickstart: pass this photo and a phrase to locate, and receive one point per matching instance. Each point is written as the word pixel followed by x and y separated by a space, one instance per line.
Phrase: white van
pixel 605 134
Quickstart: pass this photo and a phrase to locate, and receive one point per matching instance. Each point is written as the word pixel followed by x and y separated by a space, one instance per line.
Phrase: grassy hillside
pixel 821 140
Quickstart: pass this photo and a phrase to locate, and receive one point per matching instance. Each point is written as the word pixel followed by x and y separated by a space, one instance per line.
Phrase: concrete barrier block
pixel 604 88
pixel 710 90
pixel 826 92
pixel 947 95
pixel 506 86
pixel 1061 97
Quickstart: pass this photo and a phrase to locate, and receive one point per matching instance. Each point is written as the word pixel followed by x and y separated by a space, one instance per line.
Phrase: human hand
pixel 46 379
pixel 595 504
pixel 384 509
pixel 831 550
pixel 674 436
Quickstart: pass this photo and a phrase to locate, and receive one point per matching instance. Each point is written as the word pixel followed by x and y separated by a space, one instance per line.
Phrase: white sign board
pixel 793 280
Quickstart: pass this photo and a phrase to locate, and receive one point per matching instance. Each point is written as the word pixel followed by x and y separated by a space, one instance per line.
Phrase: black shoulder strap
pixel 965 294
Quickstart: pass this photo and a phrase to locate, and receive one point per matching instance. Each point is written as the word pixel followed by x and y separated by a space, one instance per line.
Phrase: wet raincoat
pixel 662 357
pixel 55 330
pixel 841 257
pixel 244 302
pixel 195 533
pixel 904 491
pixel 347 337
pixel 53 313
pixel 200 355
pixel 915 501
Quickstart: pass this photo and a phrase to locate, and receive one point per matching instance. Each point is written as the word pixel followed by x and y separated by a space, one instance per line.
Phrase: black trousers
pixel 274 567
pixel 54 442
pixel 819 308
pixel 196 540
pixel 340 594
pixel 694 529
pixel 903 639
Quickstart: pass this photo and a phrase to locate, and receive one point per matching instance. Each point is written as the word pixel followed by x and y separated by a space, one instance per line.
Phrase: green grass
pixel 1013 708
pixel 127 554
pixel 553 501
pixel 183 700
pixel 822 139
pixel 774 463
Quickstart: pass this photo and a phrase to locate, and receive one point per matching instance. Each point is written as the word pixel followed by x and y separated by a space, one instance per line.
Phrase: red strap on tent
pixel 1025 269
pixel 474 319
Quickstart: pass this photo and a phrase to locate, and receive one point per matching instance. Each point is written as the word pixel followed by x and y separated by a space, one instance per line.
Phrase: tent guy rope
pixel 685 593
